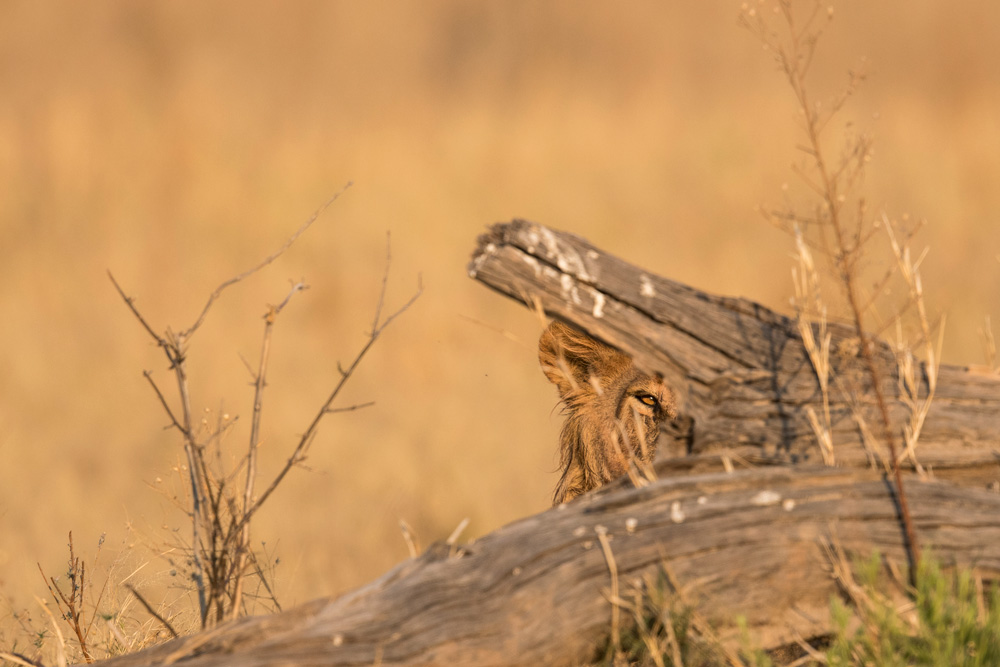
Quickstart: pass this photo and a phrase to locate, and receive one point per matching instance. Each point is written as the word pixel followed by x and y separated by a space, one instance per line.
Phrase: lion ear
pixel 567 356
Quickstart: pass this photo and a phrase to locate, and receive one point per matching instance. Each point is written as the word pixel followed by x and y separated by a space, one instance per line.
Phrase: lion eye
pixel 648 399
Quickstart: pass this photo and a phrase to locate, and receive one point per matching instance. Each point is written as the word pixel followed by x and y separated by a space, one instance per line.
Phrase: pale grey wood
pixel 740 370
pixel 535 591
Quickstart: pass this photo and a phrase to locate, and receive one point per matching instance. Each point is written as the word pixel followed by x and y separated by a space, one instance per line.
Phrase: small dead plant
pixel 839 231
pixel 222 501
pixel 68 596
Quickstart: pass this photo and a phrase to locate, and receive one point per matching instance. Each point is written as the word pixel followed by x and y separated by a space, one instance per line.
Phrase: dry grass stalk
pixel 989 345
pixel 243 544
pixel 876 455
pixel 454 550
pixel 909 269
pixel 410 537
pixel 809 307
pixel 61 660
pixel 698 622
pixel 19 659
pixel 844 575
pixel 609 557
pixel 152 612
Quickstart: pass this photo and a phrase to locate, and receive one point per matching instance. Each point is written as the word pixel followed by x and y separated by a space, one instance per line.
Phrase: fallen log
pixel 739 542
pixel 741 371
pixel 536 592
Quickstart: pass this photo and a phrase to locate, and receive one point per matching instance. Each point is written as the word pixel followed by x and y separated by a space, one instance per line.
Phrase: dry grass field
pixel 178 144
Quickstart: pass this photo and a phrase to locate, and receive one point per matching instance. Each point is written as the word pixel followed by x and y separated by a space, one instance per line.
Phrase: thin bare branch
pixel 129 301
pixel 152 612
pixel 243 541
pixel 298 454
pixel 19 659
pixel 402 309
pixel 163 402
pixel 297 287
pixel 220 515
pixel 267 260
pixel 351 408
pixel 385 280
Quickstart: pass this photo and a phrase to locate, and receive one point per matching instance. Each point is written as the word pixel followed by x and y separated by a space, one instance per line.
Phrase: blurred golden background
pixel 177 144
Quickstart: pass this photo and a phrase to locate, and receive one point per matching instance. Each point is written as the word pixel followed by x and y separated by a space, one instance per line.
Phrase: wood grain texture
pixel 535 591
pixel 740 370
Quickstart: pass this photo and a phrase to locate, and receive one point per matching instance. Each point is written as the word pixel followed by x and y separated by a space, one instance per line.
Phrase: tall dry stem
pixel 809 307
pixel 909 381
pixel 837 227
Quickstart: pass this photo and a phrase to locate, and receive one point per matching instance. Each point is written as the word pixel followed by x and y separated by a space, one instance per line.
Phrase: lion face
pixel 613 410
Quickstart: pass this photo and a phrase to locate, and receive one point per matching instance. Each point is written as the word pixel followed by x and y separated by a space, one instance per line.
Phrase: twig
pixel 71 608
pixel 263 580
pixel 351 408
pixel 221 510
pixel 163 402
pixel 385 280
pixel 298 454
pixel 130 302
pixel 21 659
pixel 267 260
pixel 243 544
pixel 152 612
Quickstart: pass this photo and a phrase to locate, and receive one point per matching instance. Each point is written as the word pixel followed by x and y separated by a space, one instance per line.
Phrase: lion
pixel 613 410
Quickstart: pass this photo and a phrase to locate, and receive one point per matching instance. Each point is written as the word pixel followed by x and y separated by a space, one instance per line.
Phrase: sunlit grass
pixel 153 142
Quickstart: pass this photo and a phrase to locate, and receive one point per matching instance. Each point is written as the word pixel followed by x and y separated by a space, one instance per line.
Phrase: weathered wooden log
pixel 741 371
pixel 746 543
pixel 536 591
